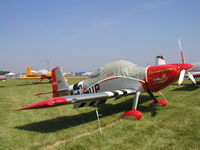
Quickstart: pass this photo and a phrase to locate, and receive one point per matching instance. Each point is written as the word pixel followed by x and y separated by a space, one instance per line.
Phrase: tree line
pixel 4 72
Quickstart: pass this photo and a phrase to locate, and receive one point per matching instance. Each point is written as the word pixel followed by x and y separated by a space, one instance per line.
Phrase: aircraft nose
pixel 180 67
pixel 187 66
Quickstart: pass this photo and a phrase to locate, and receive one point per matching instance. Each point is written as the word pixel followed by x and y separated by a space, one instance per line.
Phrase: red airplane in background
pixel 2 79
pixel 114 80
pixel 196 70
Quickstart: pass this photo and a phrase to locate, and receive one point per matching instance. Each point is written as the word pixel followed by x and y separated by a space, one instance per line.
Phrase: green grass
pixel 176 126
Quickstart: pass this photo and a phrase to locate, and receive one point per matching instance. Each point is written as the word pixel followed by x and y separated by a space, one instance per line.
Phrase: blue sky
pixel 82 35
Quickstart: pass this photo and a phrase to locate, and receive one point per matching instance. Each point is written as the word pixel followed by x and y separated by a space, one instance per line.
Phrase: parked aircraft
pixel 196 70
pixel 114 80
pixel 40 74
pixel 191 73
pixel 2 79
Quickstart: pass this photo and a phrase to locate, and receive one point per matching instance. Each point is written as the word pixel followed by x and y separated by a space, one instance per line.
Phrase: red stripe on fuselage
pixel 110 79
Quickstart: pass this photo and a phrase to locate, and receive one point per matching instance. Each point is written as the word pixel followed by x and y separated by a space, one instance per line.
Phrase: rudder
pixel 59 85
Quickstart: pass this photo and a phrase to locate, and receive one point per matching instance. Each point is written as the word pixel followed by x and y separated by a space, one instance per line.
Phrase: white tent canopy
pixel 10 74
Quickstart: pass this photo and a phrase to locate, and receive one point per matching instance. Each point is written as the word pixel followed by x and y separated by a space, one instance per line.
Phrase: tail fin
pixel 160 60
pixel 59 85
pixel 28 71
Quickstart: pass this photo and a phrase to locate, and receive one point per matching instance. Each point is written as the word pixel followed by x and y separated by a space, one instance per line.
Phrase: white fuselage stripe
pixel 119 92
pixel 110 94
pixel 128 91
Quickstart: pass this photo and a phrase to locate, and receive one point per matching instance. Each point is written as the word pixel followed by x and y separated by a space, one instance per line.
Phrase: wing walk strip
pixel 101 98
pixel 120 92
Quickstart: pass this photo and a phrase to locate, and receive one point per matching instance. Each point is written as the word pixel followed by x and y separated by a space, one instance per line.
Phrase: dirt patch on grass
pixel 53 146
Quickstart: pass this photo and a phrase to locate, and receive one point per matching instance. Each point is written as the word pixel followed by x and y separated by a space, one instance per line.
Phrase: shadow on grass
pixel 65 122
pixel 186 87
pixel 32 83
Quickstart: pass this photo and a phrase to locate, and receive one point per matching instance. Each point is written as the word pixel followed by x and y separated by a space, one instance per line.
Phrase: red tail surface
pixel 54 83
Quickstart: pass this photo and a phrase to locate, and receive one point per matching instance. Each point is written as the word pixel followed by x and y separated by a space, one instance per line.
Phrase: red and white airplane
pixel 114 80
pixel 191 74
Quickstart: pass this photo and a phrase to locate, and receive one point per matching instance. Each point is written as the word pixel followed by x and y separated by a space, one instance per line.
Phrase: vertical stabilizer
pixel 59 84
pixel 160 60
pixel 28 71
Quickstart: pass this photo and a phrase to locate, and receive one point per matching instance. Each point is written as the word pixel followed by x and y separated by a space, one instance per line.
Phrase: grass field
pixel 175 127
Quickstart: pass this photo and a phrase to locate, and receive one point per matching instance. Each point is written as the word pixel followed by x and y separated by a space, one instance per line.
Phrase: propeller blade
pixel 182 58
pixel 191 77
pixel 180 47
pixel 181 77
pixel 179 44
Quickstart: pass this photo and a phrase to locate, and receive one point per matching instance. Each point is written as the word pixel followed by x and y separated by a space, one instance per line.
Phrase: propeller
pixel 182 55
pixel 192 78
pixel 182 73
pixel 181 77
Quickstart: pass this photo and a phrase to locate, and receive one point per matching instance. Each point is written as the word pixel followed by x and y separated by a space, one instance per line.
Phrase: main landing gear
pixel 135 114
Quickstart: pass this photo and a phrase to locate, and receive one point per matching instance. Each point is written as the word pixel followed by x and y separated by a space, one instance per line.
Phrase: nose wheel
pixel 159 102
pixel 135 114
pixel 155 102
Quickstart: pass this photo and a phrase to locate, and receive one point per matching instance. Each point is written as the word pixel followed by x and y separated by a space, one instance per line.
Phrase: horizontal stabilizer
pixel 46 103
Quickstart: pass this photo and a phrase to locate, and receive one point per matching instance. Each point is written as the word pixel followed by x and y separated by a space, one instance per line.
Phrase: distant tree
pixel 4 72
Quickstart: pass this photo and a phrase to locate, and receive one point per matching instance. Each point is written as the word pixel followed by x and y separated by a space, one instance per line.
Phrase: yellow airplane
pixel 41 74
